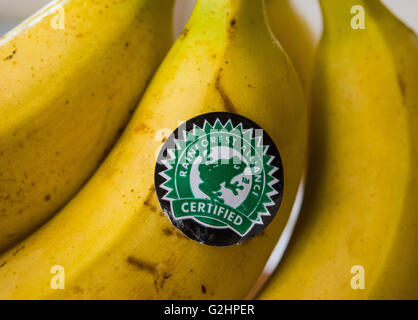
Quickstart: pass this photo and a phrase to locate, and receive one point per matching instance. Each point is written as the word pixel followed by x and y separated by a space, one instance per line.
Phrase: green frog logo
pixel 215 174
pixel 218 180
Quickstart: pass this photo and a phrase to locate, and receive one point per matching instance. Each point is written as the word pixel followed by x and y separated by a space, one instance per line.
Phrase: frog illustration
pixel 214 174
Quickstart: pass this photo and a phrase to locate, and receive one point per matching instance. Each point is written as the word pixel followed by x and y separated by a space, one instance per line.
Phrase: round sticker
pixel 219 178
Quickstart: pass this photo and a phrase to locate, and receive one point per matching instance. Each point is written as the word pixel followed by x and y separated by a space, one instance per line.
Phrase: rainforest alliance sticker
pixel 219 178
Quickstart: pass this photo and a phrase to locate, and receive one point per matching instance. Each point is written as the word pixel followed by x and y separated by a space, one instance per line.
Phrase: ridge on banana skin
pixel 65 95
pixel 113 239
pixel 294 35
pixel 399 278
pixel 360 204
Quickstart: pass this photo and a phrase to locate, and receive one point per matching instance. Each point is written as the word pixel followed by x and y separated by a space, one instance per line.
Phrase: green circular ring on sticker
pixel 219 178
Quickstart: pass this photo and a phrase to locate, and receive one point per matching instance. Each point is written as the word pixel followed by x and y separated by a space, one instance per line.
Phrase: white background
pixel 14 11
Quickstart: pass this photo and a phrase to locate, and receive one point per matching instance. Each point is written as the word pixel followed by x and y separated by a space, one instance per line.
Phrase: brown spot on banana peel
pixel 232 28
pixel 156 286
pixel 10 57
pixel 142 265
pixel 142 127
pixel 166 275
pixel 18 250
pixel 184 34
pixel 402 86
pixel 229 106
pixel 167 231
pixel 161 276
pixel 150 200
pixel 170 231
pixel 161 280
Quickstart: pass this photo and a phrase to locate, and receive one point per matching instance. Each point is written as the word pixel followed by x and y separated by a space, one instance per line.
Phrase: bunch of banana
pixel 358 230
pixel 112 239
pixel 70 77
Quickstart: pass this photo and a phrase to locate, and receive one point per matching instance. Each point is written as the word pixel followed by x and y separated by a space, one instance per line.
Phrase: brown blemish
pixel 142 265
pixel 3 264
pixel 148 199
pixel 142 127
pixel 229 106
pixel 160 280
pixel 47 197
pixel 9 57
pixel 232 26
pixel 17 251
pixel 156 285
pixel 184 34
pixel 168 232
pixel 203 289
pixel 165 277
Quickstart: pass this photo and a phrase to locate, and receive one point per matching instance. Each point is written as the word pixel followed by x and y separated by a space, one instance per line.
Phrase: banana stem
pixel 247 17
pixel 251 10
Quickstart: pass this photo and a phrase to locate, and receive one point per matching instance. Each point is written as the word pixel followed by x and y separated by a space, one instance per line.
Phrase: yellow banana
pixel 399 279
pixel 112 239
pixel 295 36
pixel 71 75
pixel 357 233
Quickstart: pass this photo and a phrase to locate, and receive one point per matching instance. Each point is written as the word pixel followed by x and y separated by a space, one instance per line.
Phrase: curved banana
pixel 70 77
pixel 399 278
pixel 358 225
pixel 113 239
pixel 295 36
